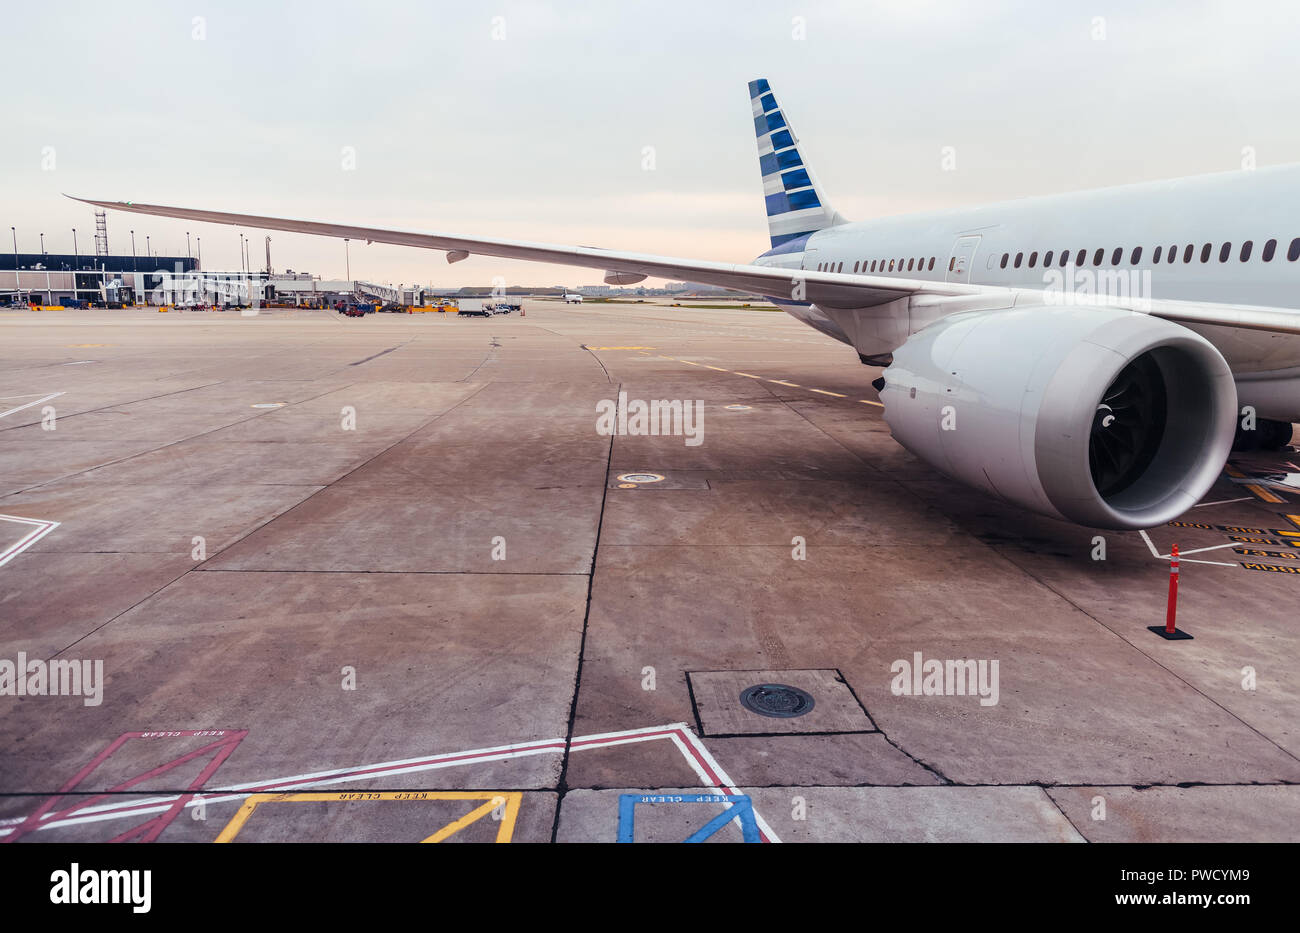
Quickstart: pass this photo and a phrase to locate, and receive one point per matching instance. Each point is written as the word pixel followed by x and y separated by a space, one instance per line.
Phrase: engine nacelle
pixel 1099 416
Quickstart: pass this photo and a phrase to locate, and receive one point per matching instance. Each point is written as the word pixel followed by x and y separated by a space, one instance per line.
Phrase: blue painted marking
pixel 800 200
pixel 775 121
pixel 789 158
pixel 777 204
pixel 796 179
pixel 742 809
pixel 768 165
pixel 768 102
pixel 788 243
pixel 760 125
pixel 782 139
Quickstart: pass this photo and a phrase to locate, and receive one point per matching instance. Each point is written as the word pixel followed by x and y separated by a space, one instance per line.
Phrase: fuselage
pixel 1231 238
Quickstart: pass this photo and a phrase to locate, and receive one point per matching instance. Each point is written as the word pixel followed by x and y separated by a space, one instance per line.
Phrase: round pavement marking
pixel 779 701
pixel 639 478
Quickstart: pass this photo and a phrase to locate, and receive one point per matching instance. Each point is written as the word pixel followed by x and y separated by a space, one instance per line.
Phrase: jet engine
pixel 1100 416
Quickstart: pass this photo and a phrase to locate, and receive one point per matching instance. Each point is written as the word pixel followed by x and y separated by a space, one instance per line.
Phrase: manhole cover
pixel 778 701
pixel 639 477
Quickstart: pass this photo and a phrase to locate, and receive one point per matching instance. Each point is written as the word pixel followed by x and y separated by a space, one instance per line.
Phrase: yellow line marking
pixel 867 401
pixel 718 368
pixel 688 362
pixel 505 831
pixel 782 382
pixel 1259 491
pixel 824 392
pixel 749 375
pixel 1295 520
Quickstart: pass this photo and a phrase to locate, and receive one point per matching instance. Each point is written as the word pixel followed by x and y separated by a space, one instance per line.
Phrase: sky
pixel 625 125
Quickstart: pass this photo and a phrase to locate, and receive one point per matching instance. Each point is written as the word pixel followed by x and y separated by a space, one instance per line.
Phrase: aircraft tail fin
pixel 796 203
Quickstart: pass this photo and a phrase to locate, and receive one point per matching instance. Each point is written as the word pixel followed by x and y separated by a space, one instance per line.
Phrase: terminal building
pixel 66 279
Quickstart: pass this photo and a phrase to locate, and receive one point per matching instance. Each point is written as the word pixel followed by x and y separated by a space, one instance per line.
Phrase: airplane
pixel 1084 356
pixel 573 298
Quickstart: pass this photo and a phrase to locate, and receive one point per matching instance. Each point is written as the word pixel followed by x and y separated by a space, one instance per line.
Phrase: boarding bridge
pixel 385 293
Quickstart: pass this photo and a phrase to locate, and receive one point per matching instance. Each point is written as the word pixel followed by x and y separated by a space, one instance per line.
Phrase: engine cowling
pixel 1099 416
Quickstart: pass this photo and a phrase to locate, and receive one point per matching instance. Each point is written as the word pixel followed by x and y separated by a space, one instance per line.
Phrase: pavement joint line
pixel 561 785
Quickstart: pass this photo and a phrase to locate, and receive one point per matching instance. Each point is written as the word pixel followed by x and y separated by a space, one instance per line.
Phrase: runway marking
pixel 29 404
pixel 692 749
pixel 41 529
pixel 509 799
pixel 718 368
pixel 825 392
pixel 867 401
pixel 782 382
pixel 746 375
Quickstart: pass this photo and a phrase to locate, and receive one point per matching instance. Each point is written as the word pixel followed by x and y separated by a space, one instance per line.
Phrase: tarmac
pixel 394 578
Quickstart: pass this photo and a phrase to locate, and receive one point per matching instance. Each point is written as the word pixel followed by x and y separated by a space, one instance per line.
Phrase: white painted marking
pixel 41 529
pixel 1202 505
pixel 29 404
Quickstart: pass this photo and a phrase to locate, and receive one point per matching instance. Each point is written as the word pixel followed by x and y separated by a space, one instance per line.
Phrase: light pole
pixel 74 264
pixel 17 284
pixel 187 245
pixel 347 259
pixel 42 244
pixel 148 249
pixel 198 242
pixel 135 266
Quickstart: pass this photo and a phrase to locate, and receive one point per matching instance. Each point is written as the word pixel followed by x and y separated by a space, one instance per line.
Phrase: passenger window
pixel 1047 259
pixel 1173 254
pixel 1187 253
pixel 1020 257
pixel 1293 253
pixel 1136 257
pixel 1205 252
pixel 1098 256
pixel 1155 257
pixel 930 267
pixel 1116 256
pixel 952 261
pixel 909 264
pixel 891 265
pixel 1065 258
pixel 1033 259
pixel 1005 257
pixel 855 267
pixel 1081 257
pixel 1269 248
pixel 1245 250
pixel 1224 252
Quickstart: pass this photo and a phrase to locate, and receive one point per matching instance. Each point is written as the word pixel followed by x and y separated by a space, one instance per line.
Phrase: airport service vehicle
pixel 573 299
pixel 1084 356
pixel 475 307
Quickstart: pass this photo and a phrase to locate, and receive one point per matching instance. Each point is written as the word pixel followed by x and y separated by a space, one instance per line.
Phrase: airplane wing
pixel 828 289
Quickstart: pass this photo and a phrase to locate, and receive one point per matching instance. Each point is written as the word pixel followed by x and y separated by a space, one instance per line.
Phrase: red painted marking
pixel 228 740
